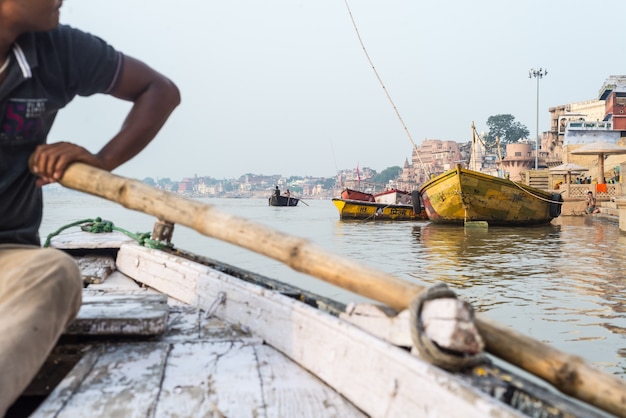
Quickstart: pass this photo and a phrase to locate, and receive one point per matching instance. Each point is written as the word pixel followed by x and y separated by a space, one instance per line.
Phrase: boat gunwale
pixel 375 204
pixel 466 172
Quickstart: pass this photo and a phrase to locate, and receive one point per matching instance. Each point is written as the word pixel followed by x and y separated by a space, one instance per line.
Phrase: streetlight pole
pixel 538 73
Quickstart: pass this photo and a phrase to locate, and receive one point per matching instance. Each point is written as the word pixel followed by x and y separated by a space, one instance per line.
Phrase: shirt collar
pixel 25 54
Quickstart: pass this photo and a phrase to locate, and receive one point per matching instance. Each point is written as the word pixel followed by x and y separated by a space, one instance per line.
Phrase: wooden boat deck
pixel 220 346
pixel 144 354
pixel 199 367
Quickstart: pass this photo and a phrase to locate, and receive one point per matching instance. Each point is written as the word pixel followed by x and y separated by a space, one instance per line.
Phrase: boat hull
pixel 283 201
pixel 462 195
pixel 394 196
pixel 350 194
pixel 356 209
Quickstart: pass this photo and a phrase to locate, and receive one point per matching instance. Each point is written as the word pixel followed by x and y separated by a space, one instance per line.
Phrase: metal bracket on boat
pixel 444 332
pixel 220 299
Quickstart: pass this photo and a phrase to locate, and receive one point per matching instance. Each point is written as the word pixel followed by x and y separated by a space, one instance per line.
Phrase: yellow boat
pixel 376 211
pixel 461 195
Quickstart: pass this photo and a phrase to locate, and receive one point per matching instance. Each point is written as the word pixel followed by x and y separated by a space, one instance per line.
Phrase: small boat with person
pixel 163 332
pixel 276 199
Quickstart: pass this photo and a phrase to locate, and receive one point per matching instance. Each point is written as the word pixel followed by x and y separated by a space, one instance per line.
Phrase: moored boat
pixel 357 209
pixel 395 196
pixel 389 205
pixel 351 194
pixel 391 196
pixel 461 195
pixel 181 335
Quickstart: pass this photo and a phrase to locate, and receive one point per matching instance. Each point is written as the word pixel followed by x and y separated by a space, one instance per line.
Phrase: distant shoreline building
pixel 432 157
pixel 577 124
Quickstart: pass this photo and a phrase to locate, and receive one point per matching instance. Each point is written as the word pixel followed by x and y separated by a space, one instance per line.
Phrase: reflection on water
pixel 561 283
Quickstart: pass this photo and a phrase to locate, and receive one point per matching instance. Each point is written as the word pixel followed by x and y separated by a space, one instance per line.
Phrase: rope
pixel 376 213
pixel 98 225
pixel 538 197
pixel 428 349
pixel 393 105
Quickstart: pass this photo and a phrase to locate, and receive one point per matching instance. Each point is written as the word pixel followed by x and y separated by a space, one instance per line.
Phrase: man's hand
pixel 49 161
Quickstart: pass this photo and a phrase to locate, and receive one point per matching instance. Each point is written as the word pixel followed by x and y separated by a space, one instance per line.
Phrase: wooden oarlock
pixel 162 231
pixel 569 373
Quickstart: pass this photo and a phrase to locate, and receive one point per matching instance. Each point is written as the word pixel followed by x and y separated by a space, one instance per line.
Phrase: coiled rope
pixel 98 225
pixel 430 350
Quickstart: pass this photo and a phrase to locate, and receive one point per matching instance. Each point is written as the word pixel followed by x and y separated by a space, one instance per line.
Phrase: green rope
pixel 98 225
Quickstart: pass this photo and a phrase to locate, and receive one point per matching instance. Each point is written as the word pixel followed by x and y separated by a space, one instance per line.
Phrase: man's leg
pixel 40 294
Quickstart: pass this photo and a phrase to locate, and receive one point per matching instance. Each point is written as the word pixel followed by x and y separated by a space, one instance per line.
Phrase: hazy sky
pixel 284 87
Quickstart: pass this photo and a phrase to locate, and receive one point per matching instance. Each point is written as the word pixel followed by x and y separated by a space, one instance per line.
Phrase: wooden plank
pixel 95 268
pixel 380 379
pixel 121 315
pixel 377 321
pixel 243 380
pixel 290 391
pixel 174 281
pixel 116 381
pixel 211 379
pixel 183 324
pixel 117 281
pixel 81 240
pixel 191 379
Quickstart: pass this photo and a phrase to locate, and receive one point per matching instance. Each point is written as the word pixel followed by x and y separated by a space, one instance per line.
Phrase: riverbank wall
pixel 576 207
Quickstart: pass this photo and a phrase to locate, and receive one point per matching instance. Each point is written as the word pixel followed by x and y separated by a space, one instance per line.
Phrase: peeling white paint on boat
pixel 257 353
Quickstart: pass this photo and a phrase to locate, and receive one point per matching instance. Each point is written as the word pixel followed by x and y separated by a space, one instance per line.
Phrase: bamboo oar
pixel 568 373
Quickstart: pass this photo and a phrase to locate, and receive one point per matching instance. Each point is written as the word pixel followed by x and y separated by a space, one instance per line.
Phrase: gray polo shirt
pixel 46 72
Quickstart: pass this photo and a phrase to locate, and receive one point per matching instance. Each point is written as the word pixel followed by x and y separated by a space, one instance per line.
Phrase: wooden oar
pixel 569 373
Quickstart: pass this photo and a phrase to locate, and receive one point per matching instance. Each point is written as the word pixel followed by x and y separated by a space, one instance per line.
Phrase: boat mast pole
pixel 474 154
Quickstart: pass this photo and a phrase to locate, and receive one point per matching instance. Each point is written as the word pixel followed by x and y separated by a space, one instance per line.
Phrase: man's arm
pixel 154 98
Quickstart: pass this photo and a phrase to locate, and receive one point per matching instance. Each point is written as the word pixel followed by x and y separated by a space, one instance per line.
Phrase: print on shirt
pixel 22 119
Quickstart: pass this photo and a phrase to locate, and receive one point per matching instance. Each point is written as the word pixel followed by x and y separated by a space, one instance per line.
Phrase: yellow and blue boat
pixel 381 209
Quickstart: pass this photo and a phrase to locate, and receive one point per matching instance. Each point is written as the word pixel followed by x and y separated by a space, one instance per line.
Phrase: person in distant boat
pixel 591 203
pixel 287 193
pixel 43 66
pixel 277 192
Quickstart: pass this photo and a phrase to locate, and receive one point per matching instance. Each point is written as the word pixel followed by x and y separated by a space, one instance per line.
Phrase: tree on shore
pixel 506 128
pixel 389 173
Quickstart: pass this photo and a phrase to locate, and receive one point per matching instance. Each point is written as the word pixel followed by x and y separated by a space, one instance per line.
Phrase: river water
pixel 562 283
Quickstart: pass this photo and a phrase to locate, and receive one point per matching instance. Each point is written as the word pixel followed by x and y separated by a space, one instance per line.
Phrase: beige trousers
pixel 40 294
